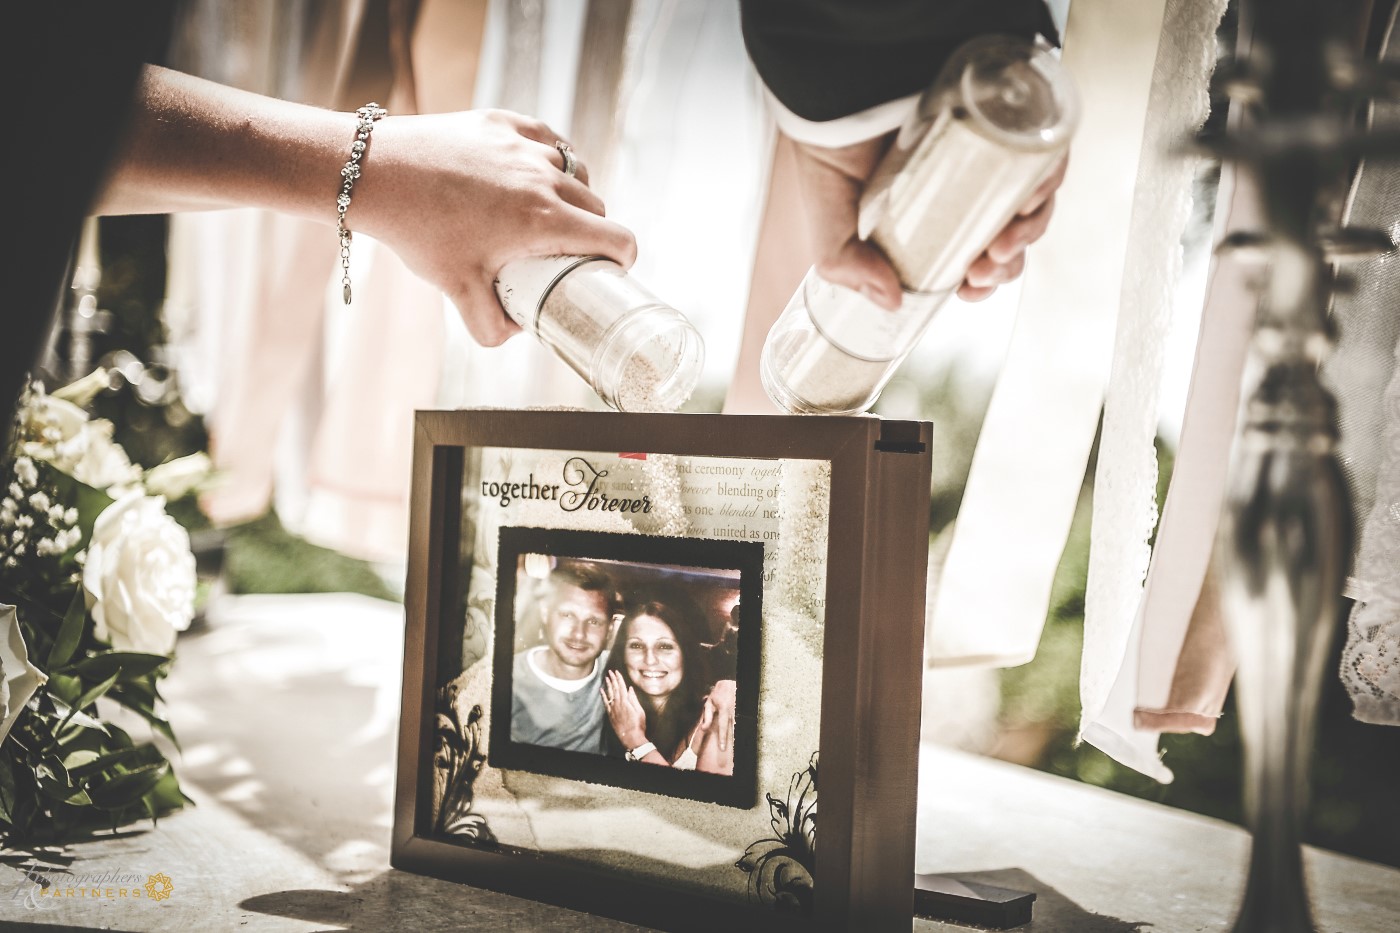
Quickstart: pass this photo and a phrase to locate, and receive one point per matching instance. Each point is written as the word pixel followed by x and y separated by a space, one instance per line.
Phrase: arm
pixel 457 196
pixel 713 740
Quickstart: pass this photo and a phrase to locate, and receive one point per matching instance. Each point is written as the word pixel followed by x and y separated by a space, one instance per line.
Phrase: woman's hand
pixel 833 180
pixel 625 713
pixel 458 196
pixel 714 752
pixel 718 713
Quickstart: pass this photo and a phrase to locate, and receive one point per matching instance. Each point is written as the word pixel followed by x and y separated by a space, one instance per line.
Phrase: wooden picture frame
pixel 876 534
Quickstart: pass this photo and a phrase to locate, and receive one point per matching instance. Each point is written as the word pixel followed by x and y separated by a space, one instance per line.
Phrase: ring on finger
pixel 570 166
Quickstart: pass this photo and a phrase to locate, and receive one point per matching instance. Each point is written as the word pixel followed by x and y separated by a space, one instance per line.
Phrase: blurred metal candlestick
pixel 1286 535
pixel 83 316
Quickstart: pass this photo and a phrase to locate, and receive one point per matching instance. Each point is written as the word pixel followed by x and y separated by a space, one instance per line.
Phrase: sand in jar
pixel 637 353
pixel 838 348
pixel 957 191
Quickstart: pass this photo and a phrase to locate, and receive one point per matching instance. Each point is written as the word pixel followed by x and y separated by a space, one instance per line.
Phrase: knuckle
pixel 544 213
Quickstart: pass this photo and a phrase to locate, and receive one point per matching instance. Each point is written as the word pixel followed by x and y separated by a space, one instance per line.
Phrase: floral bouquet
pixel 95 581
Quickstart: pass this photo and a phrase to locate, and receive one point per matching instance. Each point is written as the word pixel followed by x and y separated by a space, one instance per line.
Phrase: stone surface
pixel 287 708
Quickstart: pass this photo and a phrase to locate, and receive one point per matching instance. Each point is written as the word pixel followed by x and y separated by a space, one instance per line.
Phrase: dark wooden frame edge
pixel 868 777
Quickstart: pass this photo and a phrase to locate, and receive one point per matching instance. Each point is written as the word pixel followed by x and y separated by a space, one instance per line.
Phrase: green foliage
pixel 956 410
pixel 69 632
pixel 65 773
pixel 263 557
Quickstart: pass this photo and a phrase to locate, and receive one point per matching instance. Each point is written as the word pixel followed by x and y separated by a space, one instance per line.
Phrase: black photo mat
pixel 661 555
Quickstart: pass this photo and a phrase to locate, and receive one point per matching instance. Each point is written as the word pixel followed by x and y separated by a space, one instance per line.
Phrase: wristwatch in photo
pixel 640 752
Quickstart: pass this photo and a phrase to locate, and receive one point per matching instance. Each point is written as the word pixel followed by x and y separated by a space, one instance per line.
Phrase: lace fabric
pixel 1371 658
pixel 1364 373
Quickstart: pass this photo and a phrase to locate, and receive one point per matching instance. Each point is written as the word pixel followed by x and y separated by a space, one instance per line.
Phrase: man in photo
pixel 555 687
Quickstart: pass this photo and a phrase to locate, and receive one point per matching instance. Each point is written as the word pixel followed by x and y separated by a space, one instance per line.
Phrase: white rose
pixel 61 434
pixel 103 463
pixel 89 454
pixel 139 576
pixel 178 477
pixel 53 420
pixel 18 678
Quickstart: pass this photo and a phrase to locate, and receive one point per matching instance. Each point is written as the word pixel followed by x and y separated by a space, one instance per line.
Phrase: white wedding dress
pixel 1364 372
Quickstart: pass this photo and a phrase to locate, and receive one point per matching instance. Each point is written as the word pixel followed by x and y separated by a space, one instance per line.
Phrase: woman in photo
pixel 662 705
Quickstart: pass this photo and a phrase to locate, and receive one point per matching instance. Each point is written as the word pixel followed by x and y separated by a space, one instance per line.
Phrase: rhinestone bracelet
pixel 367 114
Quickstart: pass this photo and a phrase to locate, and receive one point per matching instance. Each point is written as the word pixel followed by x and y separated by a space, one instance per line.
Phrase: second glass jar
pixel 987 132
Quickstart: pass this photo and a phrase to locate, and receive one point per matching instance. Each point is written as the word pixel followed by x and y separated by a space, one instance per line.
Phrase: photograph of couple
pixel 627 660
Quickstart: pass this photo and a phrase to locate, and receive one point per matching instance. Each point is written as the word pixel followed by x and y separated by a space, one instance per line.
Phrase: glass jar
pixel 986 133
pixel 636 352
